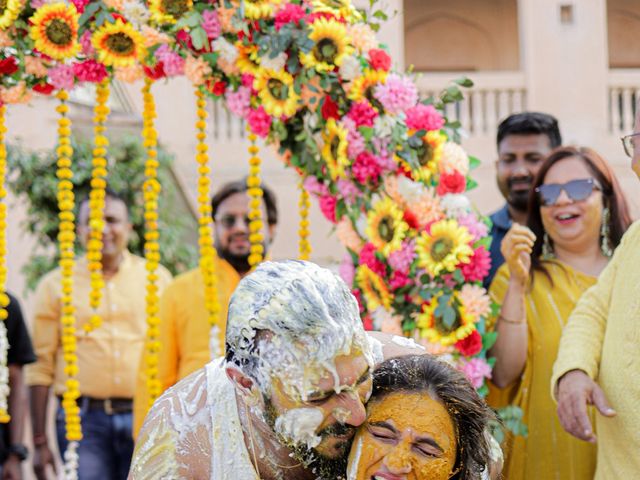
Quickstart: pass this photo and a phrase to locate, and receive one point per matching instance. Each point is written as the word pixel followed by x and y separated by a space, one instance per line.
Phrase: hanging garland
pixel 151 191
pixel 254 190
pixel 66 238
pixel 4 298
pixel 304 245
pixel 205 228
pixel 97 203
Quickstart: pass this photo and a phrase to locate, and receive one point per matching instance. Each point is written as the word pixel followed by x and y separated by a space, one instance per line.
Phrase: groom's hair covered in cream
pixel 285 317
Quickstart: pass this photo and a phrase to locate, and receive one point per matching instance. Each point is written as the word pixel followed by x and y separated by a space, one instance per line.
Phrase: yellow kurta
pixel 184 332
pixel 548 452
pixel 602 337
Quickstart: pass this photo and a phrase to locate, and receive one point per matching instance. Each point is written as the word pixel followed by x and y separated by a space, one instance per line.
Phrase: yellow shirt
pixel 548 452
pixel 602 338
pixel 108 356
pixel 184 332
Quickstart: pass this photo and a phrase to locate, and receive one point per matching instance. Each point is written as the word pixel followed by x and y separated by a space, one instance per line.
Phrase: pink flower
pixel 379 59
pixel 247 80
pixel 80 4
pixel 477 228
pixel 363 114
pixel 328 207
pixel 35 4
pixel 87 46
pixel 424 117
pixel 366 167
pixel 173 63
pixel 347 190
pixel 211 24
pixel 347 270
pixel 259 121
pixel 397 94
pixel 90 71
pixel 476 370
pixel 401 259
pixel 478 266
pixel 291 13
pixel 399 280
pixel 355 141
pixel 368 258
pixel 313 186
pixel 238 102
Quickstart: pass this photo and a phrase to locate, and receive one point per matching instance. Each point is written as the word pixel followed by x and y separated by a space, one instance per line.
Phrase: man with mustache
pixel 524 139
pixel 188 342
pixel 285 400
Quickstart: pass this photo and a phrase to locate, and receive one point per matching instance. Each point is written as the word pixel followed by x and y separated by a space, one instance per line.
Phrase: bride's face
pixel 406 436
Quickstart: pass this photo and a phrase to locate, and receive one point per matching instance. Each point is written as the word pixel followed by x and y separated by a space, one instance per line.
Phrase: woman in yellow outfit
pixel 578 215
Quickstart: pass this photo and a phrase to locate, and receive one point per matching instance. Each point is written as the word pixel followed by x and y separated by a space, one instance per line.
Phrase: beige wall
pixel 623 20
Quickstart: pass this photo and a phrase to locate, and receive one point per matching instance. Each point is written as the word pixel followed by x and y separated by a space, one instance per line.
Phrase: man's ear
pixel 243 383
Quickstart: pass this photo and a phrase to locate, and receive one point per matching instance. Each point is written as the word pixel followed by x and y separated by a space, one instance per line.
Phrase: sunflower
pixel 331 45
pixel 438 327
pixel 118 44
pixel 338 8
pixel 169 11
pixel 444 248
pixel 334 151
pixel 275 89
pixel 429 154
pixel 54 30
pixel 248 60
pixel 373 288
pixel 10 11
pixel 362 88
pixel 385 226
pixel 258 9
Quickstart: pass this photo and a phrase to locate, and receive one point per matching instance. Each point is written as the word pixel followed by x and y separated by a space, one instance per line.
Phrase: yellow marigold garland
pixel 205 228
pixel 96 202
pixel 304 244
pixel 254 189
pixel 4 298
pixel 151 191
pixel 66 239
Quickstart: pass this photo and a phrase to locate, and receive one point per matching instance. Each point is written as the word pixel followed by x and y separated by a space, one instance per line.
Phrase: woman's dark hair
pixel 470 414
pixel 240 186
pixel 612 197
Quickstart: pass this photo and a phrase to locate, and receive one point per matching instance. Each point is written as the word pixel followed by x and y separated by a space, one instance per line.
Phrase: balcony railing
pixel 624 90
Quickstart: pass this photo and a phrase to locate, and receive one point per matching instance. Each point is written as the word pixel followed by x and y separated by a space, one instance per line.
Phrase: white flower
pixel 455 205
pixel 310 122
pixel 276 64
pixel 350 68
pixel 409 190
pixel 383 125
pixel 454 159
pixel 361 225
pixel 135 12
pixel 227 50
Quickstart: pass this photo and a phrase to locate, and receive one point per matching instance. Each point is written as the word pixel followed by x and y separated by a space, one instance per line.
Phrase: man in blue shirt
pixel 524 140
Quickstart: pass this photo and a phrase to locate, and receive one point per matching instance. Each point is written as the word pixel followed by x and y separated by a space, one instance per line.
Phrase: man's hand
pixel 42 457
pixel 516 249
pixel 11 469
pixel 575 391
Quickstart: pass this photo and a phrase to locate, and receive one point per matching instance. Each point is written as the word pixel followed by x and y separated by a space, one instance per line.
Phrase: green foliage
pixel 32 177
pixel 511 418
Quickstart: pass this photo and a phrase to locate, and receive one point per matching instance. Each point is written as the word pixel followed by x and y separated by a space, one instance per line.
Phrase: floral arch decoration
pixel 310 77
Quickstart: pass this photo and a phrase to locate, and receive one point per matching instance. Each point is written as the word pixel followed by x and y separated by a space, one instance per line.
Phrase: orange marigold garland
pixel 97 202
pixel 254 190
pixel 151 191
pixel 304 244
pixel 66 240
pixel 205 229
pixel 4 298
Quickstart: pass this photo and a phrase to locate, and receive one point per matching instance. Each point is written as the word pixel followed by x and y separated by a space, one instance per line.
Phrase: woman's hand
pixel 516 249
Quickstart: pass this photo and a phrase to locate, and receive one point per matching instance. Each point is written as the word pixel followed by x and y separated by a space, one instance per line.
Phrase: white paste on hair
pixel 299 426
pixel 406 342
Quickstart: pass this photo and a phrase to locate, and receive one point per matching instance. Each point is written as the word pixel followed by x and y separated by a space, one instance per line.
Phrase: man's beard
pixel 519 199
pixel 324 468
pixel 239 261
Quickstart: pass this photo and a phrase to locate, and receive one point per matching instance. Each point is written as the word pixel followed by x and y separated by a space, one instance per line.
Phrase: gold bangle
pixel 513 322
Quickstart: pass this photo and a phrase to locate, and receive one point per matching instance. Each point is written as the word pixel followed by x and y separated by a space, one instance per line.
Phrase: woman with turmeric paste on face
pixel 425 422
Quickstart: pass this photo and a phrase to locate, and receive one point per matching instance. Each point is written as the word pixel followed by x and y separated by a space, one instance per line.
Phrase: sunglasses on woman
pixel 576 190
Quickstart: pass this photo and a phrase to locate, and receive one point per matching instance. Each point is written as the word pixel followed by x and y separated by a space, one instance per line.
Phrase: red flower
pixel 8 66
pixel 379 59
pixel 363 114
pixel 329 109
pixel 184 39
pixel 451 183
pixel 291 13
pixel 154 73
pixel 328 207
pixel 398 280
pixel 366 168
pixel 478 266
pixel 470 345
pixel 368 258
pixel 217 87
pixel 367 323
pixel 312 17
pixel 356 293
pixel 411 219
pixel 117 16
pixel 43 88
pixel 90 71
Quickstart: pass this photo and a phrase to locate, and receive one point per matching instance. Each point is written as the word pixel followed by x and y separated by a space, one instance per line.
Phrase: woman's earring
pixel 605 235
pixel 547 249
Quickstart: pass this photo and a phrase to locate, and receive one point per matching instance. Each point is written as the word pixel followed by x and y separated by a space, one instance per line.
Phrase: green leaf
pixel 381 15
pixel 367 133
pixel 199 38
pixel 464 82
pixel 89 12
pixel 474 162
pixel 489 339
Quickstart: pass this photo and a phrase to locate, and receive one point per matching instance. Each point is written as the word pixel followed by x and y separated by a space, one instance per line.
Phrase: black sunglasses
pixel 577 191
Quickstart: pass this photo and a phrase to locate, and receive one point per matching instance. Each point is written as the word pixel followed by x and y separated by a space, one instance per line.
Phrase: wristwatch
pixel 19 451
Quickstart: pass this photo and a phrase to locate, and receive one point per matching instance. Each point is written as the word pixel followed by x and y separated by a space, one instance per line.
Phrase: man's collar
pixel 501 218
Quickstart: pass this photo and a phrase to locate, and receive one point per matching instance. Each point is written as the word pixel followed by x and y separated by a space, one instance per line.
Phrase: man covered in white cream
pixel 287 398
